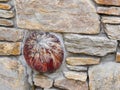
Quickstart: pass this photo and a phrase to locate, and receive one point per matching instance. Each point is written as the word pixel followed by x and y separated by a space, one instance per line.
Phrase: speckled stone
pixel 11 34
pixel 5 22
pixel 76 16
pixel 5 6
pixel 6 14
pixel 7 48
pixel 108 2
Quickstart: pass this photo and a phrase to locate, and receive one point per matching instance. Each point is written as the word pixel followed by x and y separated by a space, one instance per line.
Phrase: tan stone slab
pixel 82 61
pixel 118 57
pixel 110 20
pixel 109 10
pixel 58 16
pixel 7 48
pixel 11 34
pixel 90 45
pixel 5 22
pixel 42 81
pixel 4 0
pixel 113 31
pixel 68 84
pixel 6 14
pixel 81 76
pixel 76 68
pixel 5 6
pixel 108 2
pixel 12 75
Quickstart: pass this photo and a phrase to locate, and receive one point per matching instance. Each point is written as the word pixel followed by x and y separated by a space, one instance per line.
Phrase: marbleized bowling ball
pixel 43 51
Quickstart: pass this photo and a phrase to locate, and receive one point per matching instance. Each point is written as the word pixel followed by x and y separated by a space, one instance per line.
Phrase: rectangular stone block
pixel 111 20
pixel 77 16
pixel 82 61
pixel 5 6
pixel 81 76
pixel 11 34
pixel 109 10
pixel 77 68
pixel 7 48
pixel 113 31
pixel 90 45
pixel 5 22
pixel 6 14
pixel 108 2
pixel 42 81
pixel 4 0
pixel 68 84
pixel 118 57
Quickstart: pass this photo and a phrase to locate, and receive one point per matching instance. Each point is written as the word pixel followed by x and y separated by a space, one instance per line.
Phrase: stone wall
pixel 90 34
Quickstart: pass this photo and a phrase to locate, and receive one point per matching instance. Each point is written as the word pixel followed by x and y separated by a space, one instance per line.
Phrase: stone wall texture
pixel 89 32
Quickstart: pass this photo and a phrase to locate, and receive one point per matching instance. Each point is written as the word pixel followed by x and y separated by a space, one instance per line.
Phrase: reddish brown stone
pixel 108 2
pixel 43 51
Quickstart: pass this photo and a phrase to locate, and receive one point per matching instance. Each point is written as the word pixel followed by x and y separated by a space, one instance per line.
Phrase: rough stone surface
pixel 70 84
pixel 113 31
pixel 4 0
pixel 82 76
pixel 108 2
pixel 82 60
pixel 77 68
pixel 91 45
pixel 109 10
pixel 7 48
pixel 38 89
pixel 5 6
pixel 11 34
pixel 110 20
pixel 12 75
pixel 105 76
pixel 42 81
pixel 52 89
pixel 6 14
pixel 118 57
pixel 77 16
pixel 5 22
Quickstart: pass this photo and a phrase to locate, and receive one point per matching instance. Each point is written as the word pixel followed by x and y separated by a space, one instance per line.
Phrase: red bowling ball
pixel 43 51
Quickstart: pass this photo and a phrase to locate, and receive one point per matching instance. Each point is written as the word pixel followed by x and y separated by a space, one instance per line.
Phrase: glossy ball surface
pixel 43 51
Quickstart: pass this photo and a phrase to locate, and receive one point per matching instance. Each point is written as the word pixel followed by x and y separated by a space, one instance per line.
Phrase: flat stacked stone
pixel 81 76
pixel 90 45
pixel 10 48
pixel 6 14
pixel 77 68
pixel 113 31
pixel 42 81
pixel 108 2
pixel 110 20
pixel 11 34
pixel 5 6
pixel 58 16
pixel 4 0
pixel 109 10
pixel 82 61
pixel 68 84
pixel 118 57
pixel 6 22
